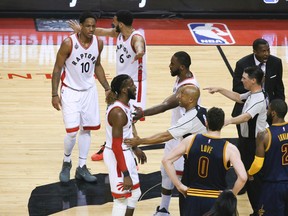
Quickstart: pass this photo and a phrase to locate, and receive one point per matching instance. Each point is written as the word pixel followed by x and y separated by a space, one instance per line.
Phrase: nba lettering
pixel 211 33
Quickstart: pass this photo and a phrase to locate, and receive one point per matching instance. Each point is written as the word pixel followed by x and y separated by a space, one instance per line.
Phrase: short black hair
pixel 215 119
pixel 183 58
pixel 255 72
pixel 279 106
pixel 125 17
pixel 258 42
pixel 85 15
pixel 118 83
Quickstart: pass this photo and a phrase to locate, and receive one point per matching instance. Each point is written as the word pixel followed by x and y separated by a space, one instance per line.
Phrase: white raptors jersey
pixel 178 112
pixel 125 54
pixel 127 129
pixel 79 67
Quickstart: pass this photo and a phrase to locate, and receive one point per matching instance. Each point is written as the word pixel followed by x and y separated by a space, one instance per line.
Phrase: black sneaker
pixel 64 175
pixel 83 173
pixel 161 212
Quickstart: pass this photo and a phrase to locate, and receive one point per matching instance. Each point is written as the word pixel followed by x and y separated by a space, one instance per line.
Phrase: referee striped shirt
pixel 256 105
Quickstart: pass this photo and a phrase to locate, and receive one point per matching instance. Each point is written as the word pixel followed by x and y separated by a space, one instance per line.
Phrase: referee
pixel 252 120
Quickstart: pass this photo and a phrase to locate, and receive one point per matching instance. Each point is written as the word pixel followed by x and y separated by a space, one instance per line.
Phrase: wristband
pixel 56 95
pixel 126 173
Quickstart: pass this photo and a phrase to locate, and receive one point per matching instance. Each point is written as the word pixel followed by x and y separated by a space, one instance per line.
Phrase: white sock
pixel 119 207
pixel 165 201
pixel 69 143
pixel 84 140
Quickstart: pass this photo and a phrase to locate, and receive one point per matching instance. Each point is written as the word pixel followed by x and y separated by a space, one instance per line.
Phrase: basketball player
pixel 123 175
pixel 179 68
pixel 208 158
pixel 252 120
pixel 192 122
pixel 272 158
pixel 130 56
pixel 79 57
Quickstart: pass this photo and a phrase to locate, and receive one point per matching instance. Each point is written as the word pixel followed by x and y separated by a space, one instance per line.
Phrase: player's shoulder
pixel 66 44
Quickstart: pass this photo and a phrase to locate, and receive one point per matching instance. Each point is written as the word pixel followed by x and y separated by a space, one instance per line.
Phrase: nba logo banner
pixel 211 33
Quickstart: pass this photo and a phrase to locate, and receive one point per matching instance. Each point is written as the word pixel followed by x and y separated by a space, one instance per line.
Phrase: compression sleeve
pixel 256 165
pixel 118 152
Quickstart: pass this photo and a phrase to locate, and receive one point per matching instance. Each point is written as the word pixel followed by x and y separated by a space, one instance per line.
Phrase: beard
pixel 117 28
pixel 131 95
pixel 175 72
pixel 269 119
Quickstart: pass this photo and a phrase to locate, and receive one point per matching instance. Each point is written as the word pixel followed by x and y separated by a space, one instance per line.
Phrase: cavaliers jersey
pixel 79 67
pixel 127 129
pixel 275 167
pixel 125 54
pixel 178 112
pixel 205 167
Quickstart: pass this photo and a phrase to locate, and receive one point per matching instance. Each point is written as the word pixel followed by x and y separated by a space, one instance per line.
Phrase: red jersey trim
pixel 126 195
pixel 92 127
pixel 71 130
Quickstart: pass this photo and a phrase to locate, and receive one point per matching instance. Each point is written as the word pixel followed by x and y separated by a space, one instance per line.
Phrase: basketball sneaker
pixel 98 156
pixel 64 175
pixel 84 174
pixel 161 212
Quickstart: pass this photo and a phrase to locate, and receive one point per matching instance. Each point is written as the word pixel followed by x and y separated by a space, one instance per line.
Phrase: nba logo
pixel 211 33
pixel 270 1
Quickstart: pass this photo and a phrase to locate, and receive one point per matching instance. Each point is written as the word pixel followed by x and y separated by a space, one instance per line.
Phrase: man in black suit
pixel 272 67
pixel 273 86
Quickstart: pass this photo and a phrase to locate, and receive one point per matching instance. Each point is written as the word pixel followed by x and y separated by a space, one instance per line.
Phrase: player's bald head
pixel 191 90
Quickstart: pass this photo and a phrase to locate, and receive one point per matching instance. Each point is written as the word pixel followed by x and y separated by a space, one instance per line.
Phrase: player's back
pixel 205 166
pixel 275 166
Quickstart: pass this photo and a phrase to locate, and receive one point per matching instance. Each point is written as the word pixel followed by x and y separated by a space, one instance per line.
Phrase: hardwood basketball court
pixel 32 131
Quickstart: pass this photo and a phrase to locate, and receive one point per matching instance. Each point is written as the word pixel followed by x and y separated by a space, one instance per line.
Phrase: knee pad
pixel 119 207
pixel 132 201
pixel 166 182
